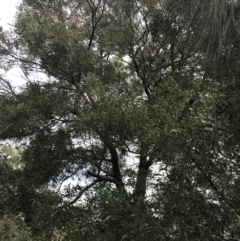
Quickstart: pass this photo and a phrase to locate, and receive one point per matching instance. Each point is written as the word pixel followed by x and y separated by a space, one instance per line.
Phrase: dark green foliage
pixel 134 132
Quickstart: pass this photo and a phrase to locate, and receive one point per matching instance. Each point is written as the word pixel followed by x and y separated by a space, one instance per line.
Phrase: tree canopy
pixel 127 127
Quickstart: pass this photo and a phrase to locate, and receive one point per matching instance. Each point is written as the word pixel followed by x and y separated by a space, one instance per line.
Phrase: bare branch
pixel 101 178
pixel 82 192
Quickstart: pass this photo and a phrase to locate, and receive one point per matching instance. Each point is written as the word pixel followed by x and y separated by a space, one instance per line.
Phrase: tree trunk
pixel 143 168
pixel 115 167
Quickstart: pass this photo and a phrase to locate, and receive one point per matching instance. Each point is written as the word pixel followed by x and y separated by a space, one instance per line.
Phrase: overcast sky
pixel 7 12
pixel 7 15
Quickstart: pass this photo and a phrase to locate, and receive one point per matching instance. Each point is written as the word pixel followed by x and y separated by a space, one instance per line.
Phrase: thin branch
pixel 7 86
pixel 209 180
pixel 82 192
pixel 101 178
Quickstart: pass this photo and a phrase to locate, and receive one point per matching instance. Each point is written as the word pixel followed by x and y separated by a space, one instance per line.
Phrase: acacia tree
pixel 122 79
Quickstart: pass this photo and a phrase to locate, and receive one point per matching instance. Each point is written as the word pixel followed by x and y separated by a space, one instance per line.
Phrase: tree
pixel 126 79
pixel 11 225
